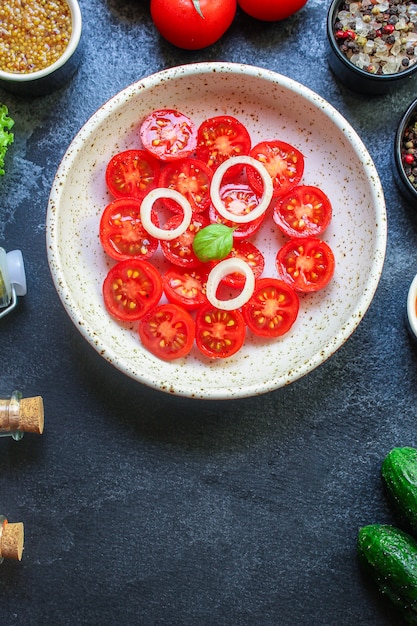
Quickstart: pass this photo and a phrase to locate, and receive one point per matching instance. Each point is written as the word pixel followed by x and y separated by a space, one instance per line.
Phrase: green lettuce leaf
pixel 6 137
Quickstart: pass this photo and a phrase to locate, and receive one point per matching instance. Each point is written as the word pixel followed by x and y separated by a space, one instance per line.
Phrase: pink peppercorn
pixel 351 34
pixel 345 34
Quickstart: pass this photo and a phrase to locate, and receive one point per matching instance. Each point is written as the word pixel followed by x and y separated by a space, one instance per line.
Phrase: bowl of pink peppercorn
pixel 405 154
pixel 372 44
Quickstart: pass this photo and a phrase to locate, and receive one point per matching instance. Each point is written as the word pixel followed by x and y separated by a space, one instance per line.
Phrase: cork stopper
pixel 31 415
pixel 11 541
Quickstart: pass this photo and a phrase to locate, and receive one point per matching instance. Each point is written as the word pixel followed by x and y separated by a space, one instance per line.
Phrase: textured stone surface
pixel 143 508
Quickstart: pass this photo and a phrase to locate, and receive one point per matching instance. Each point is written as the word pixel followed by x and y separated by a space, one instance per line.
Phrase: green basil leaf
pixel 213 242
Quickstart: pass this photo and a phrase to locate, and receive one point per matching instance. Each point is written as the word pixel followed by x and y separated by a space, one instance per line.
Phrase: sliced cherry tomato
pixel 186 287
pixel 272 309
pixel 192 179
pixel 121 232
pixel 220 138
pixel 238 198
pixel 168 135
pixel 219 334
pixel 132 174
pixel 307 264
pixel 131 288
pixel 247 251
pixel 180 251
pixel 284 163
pixel 167 331
pixel 241 231
pixel 184 26
pixel 305 211
pixel 271 10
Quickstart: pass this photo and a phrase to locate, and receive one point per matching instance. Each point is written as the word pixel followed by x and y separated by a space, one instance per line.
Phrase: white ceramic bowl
pixel 55 75
pixel 412 307
pixel 271 106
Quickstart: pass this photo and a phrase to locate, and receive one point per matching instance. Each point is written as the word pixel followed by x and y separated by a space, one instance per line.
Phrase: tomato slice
pixel 192 179
pixel 131 288
pixel 272 309
pixel 186 287
pixel 305 211
pixel 241 231
pixel 222 137
pixel 167 331
pixel 132 174
pixel 306 263
pixel 284 163
pixel 247 251
pixel 219 334
pixel 121 231
pixel 238 198
pixel 179 251
pixel 168 135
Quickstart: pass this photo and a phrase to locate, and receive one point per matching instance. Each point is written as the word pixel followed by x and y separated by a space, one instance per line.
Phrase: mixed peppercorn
pixel 379 37
pixel 33 34
pixel 409 150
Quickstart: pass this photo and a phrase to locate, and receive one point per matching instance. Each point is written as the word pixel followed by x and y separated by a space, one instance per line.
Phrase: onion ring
pixel 222 269
pixel 146 211
pixel 265 198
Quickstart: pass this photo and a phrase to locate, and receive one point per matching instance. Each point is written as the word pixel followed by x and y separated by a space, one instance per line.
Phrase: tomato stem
pixel 197 7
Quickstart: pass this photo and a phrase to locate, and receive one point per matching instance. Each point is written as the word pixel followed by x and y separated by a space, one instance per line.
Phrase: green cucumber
pixel 399 474
pixel 389 555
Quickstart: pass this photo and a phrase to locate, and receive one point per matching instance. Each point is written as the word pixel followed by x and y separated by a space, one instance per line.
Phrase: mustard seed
pixel 33 34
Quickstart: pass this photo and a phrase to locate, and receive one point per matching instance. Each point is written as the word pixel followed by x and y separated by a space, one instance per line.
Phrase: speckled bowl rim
pixel 371 78
pixel 405 119
pixel 171 378
pixel 411 306
pixel 76 21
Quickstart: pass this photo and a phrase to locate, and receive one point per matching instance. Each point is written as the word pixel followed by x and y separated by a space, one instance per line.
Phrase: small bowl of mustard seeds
pixel 39 44
pixel 405 154
pixel 372 44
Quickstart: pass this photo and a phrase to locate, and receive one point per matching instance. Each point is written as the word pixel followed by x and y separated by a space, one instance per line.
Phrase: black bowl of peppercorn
pixel 40 45
pixel 405 154
pixel 372 47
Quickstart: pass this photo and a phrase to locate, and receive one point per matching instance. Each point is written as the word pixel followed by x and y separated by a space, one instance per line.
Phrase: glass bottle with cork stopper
pixel 11 539
pixel 19 415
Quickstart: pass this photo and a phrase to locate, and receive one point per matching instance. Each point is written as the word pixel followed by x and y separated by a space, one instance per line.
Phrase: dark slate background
pixel 142 508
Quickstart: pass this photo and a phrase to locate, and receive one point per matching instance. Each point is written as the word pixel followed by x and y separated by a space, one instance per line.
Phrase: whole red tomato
pixel 192 24
pixel 271 10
